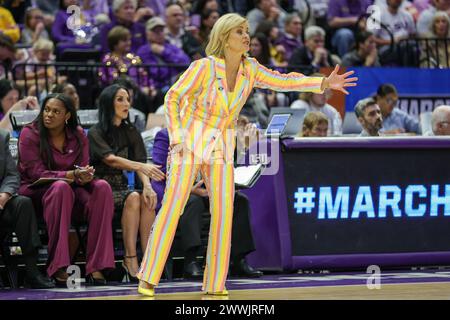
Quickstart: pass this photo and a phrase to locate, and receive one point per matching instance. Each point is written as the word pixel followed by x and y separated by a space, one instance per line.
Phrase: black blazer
pixel 9 176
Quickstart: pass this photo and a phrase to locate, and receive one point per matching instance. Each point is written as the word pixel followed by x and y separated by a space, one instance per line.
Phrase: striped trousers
pixel 218 177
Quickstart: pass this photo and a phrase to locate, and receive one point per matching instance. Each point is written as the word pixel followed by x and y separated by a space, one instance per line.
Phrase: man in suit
pixel 17 215
pixel 191 221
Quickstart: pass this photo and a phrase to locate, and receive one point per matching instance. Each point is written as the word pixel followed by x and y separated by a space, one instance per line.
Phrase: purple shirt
pixel 290 44
pixel 164 76
pixel 159 157
pixel 60 32
pixel 347 8
pixel 32 166
pixel 137 30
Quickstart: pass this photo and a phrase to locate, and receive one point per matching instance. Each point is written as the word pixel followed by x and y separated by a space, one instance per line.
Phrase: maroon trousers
pixel 93 202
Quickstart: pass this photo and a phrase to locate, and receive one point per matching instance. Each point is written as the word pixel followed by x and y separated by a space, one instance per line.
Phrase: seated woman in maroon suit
pixel 54 146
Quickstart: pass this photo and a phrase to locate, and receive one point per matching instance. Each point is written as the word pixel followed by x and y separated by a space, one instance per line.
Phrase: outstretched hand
pixel 340 81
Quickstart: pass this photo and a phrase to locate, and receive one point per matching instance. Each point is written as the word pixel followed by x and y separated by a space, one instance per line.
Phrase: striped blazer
pixel 197 109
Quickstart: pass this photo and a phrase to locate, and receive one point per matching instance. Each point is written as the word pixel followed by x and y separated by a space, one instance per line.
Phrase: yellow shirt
pixel 231 96
pixel 8 26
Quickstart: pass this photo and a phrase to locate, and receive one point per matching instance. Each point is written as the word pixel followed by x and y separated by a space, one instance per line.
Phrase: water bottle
pixel 130 176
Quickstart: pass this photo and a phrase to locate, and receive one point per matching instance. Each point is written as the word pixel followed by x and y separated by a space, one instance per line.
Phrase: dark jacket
pixel 9 176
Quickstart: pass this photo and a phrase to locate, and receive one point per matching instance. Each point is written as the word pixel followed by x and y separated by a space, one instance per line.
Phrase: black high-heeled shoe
pixel 90 280
pixel 128 276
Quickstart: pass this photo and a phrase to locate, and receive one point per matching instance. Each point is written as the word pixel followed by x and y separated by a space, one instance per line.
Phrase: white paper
pixel 244 175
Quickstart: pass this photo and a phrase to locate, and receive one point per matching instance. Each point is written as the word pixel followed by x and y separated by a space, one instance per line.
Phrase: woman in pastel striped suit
pixel 201 109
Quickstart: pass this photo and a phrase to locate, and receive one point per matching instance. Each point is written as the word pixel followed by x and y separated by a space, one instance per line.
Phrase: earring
pixel 67 122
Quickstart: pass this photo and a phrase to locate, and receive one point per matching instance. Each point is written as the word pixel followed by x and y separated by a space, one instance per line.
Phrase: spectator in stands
pixel 34 28
pixel 69 90
pixel 54 150
pixel 239 6
pixel 265 10
pixel 157 7
pixel 440 121
pixel 200 8
pixel 143 12
pixel 277 52
pixel 395 120
pixel 17 8
pixel 121 59
pixel 42 53
pixel 17 215
pixel 436 52
pixel 315 124
pixel 158 51
pixel 399 22
pixel 318 14
pixel 343 16
pixel 64 37
pixel 318 102
pixel 208 19
pixel 7 54
pixel 49 8
pixel 421 5
pixel 8 26
pixel 178 36
pixel 115 146
pixel 365 53
pixel 424 23
pixel 37 68
pixel 191 221
pixel 292 37
pixel 369 115
pixel 407 5
pixel 260 50
pixel 314 52
pixel 9 102
pixel 124 14
pixel 92 9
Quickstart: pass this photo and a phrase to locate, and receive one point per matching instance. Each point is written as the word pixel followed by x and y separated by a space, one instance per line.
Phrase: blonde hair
pixel 313 119
pixel 437 15
pixel 43 44
pixel 306 96
pixel 221 32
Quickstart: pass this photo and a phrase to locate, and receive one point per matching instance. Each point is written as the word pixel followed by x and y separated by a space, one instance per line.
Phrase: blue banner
pixel 419 90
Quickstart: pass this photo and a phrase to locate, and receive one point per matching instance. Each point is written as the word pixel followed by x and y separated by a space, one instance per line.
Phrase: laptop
pixel 284 121
pixel 277 125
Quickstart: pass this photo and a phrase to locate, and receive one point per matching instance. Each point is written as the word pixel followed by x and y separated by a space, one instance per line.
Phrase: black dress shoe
pixel 242 269
pixel 38 281
pixel 90 280
pixel 193 271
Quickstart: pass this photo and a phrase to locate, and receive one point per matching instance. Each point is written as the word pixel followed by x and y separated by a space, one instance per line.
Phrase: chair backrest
pixel 351 124
pixel 87 117
pixel 425 122
pixel 21 118
pixel 81 55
